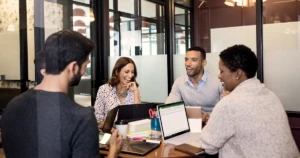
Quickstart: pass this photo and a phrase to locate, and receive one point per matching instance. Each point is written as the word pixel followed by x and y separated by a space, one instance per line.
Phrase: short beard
pixel 75 80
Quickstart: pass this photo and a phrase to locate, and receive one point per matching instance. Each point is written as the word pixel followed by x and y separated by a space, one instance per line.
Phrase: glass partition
pixel 182 30
pixel 9 40
pixel 9 51
pixel 141 36
pixel 281 50
pixel 221 25
pixel 82 17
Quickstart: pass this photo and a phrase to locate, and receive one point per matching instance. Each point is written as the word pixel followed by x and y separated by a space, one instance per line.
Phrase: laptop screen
pixel 173 119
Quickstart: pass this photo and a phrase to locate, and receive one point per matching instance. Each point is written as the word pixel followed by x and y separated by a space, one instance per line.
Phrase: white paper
pixel 195 124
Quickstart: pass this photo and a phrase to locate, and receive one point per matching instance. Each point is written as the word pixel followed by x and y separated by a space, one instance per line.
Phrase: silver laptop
pixel 175 126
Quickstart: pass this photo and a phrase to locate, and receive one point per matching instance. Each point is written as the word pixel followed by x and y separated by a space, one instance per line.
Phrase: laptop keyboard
pixel 185 138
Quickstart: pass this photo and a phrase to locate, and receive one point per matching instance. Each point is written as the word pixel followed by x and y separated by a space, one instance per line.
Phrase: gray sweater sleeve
pixel 174 95
pixel 218 130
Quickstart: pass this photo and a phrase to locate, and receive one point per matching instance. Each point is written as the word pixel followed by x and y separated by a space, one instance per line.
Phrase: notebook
pixel 135 147
pixel 175 126
pixel 134 112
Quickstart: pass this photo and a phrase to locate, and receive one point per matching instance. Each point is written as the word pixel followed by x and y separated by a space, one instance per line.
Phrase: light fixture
pixel 112 21
pixel 230 3
pixel 82 31
pixel 241 3
pixel 145 25
pixel 92 16
pixel 79 24
pixel 255 0
pixel 111 28
pixel 178 29
pixel 182 37
pixel 79 14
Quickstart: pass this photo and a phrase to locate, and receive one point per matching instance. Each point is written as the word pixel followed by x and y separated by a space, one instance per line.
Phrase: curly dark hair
pixel 240 57
pixel 121 62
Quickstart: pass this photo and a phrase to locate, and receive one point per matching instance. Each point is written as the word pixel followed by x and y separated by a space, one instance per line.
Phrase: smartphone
pixel 104 138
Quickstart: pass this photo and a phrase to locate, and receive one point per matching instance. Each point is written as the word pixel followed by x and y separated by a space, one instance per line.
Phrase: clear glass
pixel 111 4
pixel 142 38
pixel 10 41
pixel 218 26
pixel 182 30
pixel 126 6
pixel 30 39
pixel 281 51
pixel 82 92
pixel 186 3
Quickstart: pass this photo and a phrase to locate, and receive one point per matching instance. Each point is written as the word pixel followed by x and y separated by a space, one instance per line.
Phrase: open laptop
pixel 128 146
pixel 134 112
pixel 175 126
pixel 110 119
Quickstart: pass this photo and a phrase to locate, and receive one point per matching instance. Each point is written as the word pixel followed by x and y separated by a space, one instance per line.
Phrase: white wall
pixel 281 56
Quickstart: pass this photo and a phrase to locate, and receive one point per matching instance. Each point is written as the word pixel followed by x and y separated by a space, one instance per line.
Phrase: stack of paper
pixel 139 126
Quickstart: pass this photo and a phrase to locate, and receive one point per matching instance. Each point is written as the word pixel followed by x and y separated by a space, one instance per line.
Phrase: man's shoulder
pixel 76 109
pixel 23 98
pixel 181 79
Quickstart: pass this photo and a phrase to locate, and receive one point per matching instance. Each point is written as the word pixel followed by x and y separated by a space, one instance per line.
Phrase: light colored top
pixel 206 94
pixel 249 122
pixel 107 99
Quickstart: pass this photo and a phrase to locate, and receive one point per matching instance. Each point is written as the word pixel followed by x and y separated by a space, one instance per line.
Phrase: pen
pixel 138 138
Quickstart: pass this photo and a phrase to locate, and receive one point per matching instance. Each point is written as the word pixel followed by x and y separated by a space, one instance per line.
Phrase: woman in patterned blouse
pixel 121 89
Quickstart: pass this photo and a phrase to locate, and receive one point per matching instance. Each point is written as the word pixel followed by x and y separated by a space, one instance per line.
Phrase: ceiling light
pixel 230 3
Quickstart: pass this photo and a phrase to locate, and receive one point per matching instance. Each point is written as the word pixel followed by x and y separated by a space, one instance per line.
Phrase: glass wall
pixel 9 51
pixel 220 24
pixel 137 30
pixel 182 37
pixel 82 18
pixel 9 40
pixel 282 50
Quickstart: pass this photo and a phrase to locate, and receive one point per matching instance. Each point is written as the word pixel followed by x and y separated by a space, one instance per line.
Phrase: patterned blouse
pixel 107 99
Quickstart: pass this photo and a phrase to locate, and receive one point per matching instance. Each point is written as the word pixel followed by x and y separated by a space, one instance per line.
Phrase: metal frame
pixel 259 40
pixel 23 45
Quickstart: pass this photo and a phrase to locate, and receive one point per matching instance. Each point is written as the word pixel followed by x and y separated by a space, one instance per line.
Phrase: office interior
pixel 156 35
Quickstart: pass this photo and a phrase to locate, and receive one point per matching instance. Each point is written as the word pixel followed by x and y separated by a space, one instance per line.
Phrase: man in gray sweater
pixel 198 87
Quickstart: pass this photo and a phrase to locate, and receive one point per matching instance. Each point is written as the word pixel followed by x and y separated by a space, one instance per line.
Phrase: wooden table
pixel 164 150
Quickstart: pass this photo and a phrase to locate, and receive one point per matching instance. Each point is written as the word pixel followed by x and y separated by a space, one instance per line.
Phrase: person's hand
pixel 205 117
pixel 131 86
pixel 115 144
pixel 224 93
pixel 100 125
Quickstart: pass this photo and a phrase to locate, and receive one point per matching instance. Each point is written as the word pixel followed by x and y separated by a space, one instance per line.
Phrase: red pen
pixel 137 138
